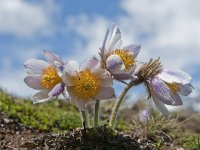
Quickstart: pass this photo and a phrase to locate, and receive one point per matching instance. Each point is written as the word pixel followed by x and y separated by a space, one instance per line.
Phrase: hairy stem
pixel 96 114
pixel 85 120
pixel 118 103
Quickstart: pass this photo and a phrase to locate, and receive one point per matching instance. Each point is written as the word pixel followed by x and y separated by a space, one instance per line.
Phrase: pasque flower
pixel 87 83
pixel 120 62
pixel 167 86
pixel 43 76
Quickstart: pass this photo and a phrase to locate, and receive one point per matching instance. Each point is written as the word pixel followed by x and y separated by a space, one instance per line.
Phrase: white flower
pixel 43 76
pixel 166 86
pixel 87 83
pixel 119 61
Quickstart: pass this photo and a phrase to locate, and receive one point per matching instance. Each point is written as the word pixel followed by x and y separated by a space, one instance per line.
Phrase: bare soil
pixel 13 134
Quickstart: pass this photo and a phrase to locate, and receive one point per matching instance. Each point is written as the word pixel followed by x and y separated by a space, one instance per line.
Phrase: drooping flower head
pixel 165 85
pixel 87 83
pixel 43 76
pixel 120 62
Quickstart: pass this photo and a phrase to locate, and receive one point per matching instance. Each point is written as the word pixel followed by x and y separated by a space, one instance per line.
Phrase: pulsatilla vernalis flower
pixel 166 87
pixel 43 76
pixel 87 83
pixel 120 62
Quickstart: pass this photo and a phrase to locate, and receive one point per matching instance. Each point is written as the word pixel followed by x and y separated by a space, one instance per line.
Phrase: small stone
pixel 6 120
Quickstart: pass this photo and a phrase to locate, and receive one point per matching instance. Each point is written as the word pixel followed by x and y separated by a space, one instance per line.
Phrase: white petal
pixel 138 68
pixel 34 66
pixel 186 89
pixel 67 79
pixel 161 107
pixel 33 82
pixel 133 48
pixel 71 67
pixel 90 64
pixel 104 77
pixel 115 39
pixel 105 93
pixel 114 64
pixel 175 76
pixel 81 104
pixel 103 48
pixel 41 96
pixel 161 90
pixel 51 57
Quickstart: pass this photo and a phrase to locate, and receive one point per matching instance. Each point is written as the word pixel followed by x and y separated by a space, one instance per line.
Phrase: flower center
pixel 174 87
pixel 127 58
pixel 86 85
pixel 50 78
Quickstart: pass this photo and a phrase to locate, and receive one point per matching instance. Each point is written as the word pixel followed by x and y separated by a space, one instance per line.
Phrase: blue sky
pixel 75 30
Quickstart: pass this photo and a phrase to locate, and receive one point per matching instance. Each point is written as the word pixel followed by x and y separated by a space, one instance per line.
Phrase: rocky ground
pixel 13 134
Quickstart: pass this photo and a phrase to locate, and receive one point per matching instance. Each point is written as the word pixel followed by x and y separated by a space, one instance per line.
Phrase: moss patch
pixel 54 115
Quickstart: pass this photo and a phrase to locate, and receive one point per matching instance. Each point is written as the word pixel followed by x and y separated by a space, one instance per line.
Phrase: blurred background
pixel 75 30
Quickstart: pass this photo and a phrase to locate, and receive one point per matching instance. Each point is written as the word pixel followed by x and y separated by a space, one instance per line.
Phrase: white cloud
pixel 11 76
pixel 12 82
pixel 24 19
pixel 173 29
pixel 92 33
pixel 169 29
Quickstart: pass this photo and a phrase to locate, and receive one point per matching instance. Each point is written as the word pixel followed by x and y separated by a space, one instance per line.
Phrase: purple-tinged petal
pixel 174 76
pixel 41 96
pixel 144 115
pixel 178 100
pixel 51 57
pixel 33 82
pixel 90 64
pixel 186 89
pixel 114 64
pixel 161 91
pixel 134 48
pixel 123 76
pixel 161 107
pixel 34 66
pixel 104 77
pixel 57 90
pixel 105 93
pixel 60 70
pixel 69 70
pixel 103 48
pixel 115 39
pixel 66 95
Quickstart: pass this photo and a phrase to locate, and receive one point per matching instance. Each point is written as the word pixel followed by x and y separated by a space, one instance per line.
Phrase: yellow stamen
pixel 127 58
pixel 86 85
pixel 174 87
pixel 50 78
